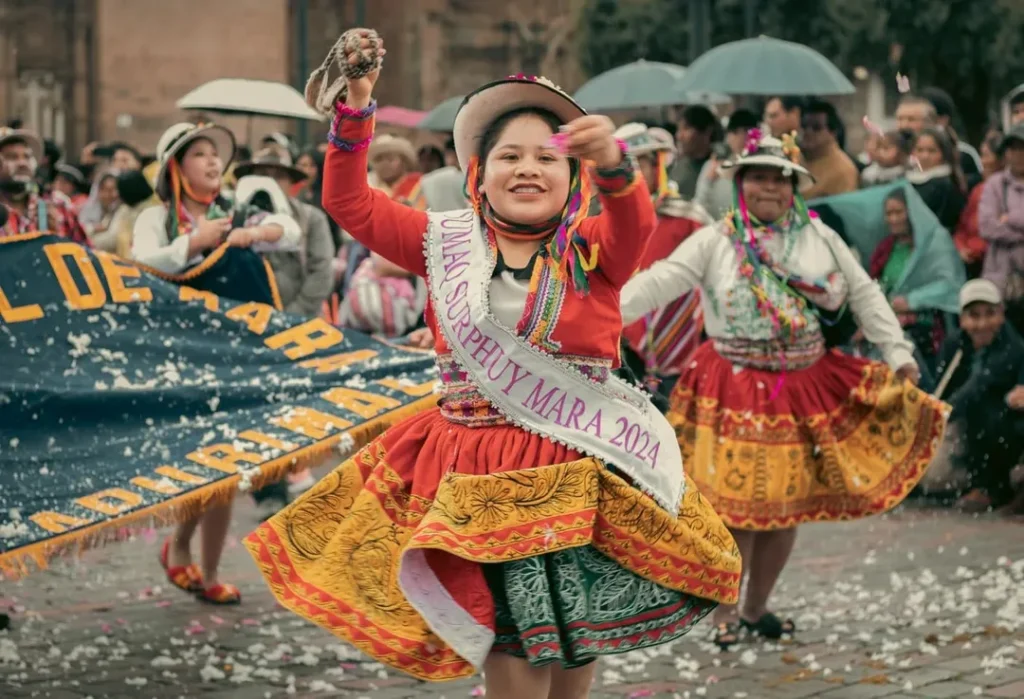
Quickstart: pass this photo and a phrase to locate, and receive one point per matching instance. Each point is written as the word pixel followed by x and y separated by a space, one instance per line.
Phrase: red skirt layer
pixel 841 439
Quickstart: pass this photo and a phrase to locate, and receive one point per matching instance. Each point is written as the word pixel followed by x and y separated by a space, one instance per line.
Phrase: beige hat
pixel 641 139
pixel 979 291
pixel 482 107
pixel 386 143
pixel 271 158
pixel 770 152
pixel 29 138
pixel 176 139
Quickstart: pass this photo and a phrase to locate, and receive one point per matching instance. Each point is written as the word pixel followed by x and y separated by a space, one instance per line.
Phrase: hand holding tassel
pixel 358 54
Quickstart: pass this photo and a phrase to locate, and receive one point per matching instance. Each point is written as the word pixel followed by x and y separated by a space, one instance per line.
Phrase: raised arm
pixel 625 224
pixel 392 230
pixel 670 278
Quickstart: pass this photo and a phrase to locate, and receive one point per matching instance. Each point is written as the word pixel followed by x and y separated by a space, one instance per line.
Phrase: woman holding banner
pixel 494 533
pixel 181 236
pixel 777 428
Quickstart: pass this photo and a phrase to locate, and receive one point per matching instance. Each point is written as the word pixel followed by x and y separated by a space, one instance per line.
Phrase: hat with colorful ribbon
pixel 768 151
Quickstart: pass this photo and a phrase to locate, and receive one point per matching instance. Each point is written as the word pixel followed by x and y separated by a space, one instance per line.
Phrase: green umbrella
pixel 442 117
pixel 764 66
pixel 637 85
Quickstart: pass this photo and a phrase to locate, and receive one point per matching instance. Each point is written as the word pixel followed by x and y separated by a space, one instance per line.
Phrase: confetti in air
pixel 902 83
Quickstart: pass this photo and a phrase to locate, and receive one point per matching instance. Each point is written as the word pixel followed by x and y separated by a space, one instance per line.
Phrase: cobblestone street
pixel 915 604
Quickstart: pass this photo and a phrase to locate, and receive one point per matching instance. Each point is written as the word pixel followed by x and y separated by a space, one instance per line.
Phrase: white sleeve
pixel 289 240
pixel 151 247
pixel 670 278
pixel 874 315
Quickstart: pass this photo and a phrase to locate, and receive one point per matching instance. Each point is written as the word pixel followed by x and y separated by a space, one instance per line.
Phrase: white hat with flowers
pixel 768 151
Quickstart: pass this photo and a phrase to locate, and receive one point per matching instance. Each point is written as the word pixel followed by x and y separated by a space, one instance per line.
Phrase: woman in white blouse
pixel 194 220
pixel 777 428
pixel 195 217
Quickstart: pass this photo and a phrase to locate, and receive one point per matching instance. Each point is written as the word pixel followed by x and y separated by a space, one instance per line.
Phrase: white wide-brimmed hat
pixel 387 143
pixel 29 138
pixel 486 104
pixel 176 139
pixel 768 151
pixel 641 139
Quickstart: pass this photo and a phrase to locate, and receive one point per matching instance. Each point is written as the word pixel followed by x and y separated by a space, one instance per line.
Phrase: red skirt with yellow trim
pixel 439 543
pixel 837 440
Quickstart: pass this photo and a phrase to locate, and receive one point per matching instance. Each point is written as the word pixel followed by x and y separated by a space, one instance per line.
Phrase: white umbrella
pixel 249 97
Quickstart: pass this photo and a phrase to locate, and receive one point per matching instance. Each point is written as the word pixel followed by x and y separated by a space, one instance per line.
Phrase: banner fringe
pixel 20 562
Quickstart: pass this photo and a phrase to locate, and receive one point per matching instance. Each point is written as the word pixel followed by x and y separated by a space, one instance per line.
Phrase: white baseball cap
pixel 979 290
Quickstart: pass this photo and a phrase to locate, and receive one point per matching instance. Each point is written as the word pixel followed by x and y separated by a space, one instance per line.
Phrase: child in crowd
pixel 890 160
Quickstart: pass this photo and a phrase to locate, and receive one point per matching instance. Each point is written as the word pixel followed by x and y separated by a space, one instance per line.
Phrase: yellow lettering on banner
pixel 325 365
pixel 123 500
pixel 266 440
pixel 409 388
pixel 256 316
pixel 10 314
pixel 58 254
pixel 223 457
pixel 163 486
pixel 210 300
pixel 116 271
pixel 313 335
pixel 56 523
pixel 179 475
pixel 310 422
pixel 361 403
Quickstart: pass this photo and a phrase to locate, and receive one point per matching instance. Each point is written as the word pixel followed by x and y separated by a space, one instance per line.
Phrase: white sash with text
pixel 611 421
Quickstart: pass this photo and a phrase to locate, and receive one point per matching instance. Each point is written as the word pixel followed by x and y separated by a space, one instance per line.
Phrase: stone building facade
pixel 85 70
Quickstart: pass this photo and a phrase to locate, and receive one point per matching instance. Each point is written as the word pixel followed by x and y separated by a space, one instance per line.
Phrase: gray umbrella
pixel 637 85
pixel 442 117
pixel 764 66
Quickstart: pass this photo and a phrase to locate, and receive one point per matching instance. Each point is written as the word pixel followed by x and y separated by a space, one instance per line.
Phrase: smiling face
pixel 767 192
pixel 202 167
pixel 525 179
pixel 982 322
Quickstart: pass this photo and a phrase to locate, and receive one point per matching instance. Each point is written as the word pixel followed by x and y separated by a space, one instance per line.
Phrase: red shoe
pixel 222 593
pixel 188 578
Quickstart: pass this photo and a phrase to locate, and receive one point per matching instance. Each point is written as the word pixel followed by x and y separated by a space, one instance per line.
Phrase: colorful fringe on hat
pixel 569 252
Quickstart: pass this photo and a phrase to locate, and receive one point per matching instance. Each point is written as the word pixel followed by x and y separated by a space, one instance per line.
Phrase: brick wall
pixel 149 53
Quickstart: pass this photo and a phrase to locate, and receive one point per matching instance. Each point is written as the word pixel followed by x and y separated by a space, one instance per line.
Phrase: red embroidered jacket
pixel 588 326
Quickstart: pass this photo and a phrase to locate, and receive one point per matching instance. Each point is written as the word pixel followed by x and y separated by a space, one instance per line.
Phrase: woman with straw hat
pixel 777 428
pixel 195 219
pixel 539 517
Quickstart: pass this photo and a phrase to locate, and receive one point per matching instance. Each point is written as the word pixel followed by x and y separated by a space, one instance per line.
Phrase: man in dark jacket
pixel 982 377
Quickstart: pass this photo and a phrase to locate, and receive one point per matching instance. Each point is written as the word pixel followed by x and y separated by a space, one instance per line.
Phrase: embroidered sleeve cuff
pixel 352 129
pixel 618 181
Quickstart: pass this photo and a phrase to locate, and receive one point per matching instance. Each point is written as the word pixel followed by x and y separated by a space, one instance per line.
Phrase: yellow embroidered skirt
pixel 439 543
pixel 839 439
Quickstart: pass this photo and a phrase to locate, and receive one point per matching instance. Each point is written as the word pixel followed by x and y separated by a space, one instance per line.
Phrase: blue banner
pixel 126 399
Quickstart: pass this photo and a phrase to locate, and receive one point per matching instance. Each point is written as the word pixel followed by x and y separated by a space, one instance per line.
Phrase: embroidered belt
pixel 773 355
pixel 463 404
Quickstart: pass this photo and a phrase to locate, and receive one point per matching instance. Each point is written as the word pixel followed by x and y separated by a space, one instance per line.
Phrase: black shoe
pixel 5 621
